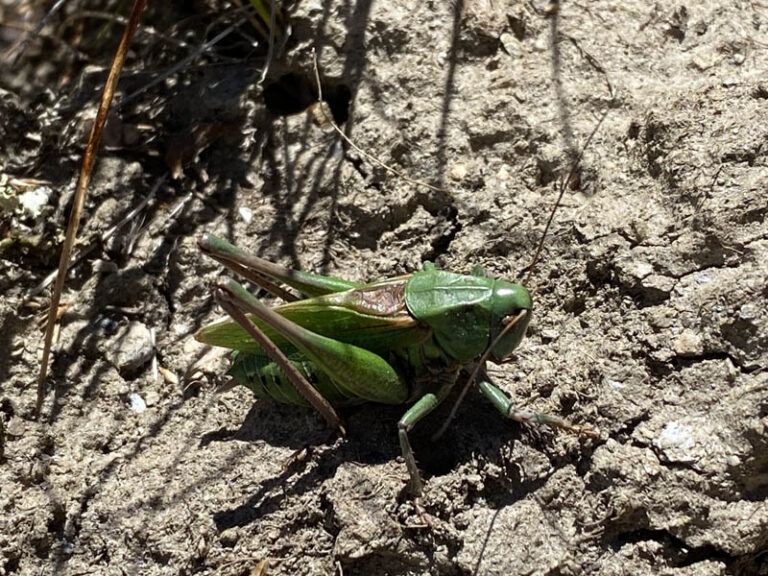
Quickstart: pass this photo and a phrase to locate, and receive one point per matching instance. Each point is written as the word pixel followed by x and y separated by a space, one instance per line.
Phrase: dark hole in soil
pixel 436 458
pixel 294 93
pixel 7 409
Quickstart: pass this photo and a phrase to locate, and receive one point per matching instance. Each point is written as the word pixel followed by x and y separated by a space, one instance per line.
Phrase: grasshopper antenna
pixel 511 321
pixel 571 173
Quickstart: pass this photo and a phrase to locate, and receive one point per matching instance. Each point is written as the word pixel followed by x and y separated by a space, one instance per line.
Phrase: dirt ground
pixel 650 319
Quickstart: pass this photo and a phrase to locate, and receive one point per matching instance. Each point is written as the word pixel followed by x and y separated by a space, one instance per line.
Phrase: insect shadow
pixel 477 433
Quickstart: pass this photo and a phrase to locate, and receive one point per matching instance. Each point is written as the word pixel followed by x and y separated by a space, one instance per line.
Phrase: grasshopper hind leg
pixel 266 379
pixel 353 372
pixel 236 297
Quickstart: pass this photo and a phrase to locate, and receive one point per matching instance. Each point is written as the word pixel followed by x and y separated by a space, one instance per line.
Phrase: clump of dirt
pixel 649 322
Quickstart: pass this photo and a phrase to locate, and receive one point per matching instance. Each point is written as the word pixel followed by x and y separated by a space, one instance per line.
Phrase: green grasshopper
pixel 393 341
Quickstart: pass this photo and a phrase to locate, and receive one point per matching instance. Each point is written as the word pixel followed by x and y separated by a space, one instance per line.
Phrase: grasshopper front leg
pixel 504 405
pixel 419 410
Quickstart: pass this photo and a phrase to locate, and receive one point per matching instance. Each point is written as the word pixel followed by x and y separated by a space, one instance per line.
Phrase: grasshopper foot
pixel 423 516
pixel 307 452
pixel 424 521
pixel 529 416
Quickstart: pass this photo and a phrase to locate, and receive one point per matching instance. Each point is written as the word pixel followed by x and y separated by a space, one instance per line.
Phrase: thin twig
pixel 184 61
pixel 17 50
pixel 86 169
pixel 118 19
pixel 357 148
pixel 49 37
pixel 271 48
pixel 148 199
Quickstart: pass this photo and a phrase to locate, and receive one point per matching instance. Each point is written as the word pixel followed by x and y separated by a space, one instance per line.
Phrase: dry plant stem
pixel 261 568
pixel 271 48
pixel 149 199
pixel 16 51
pixel 14 57
pixel 251 17
pixel 184 61
pixel 117 19
pixel 360 150
pixel 89 159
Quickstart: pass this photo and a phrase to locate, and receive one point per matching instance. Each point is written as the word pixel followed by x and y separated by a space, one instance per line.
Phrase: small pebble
pixel 168 376
pixel 458 172
pixel 703 60
pixel 688 344
pixel 511 45
pixel 246 214
pixel 549 335
pixel 152 398
pixel 133 348
pixel 182 329
pixel 104 266
pixel 137 403
pixel 615 384
pixel 659 282
pixel 107 325
pixel 229 537
pixel 16 427
pixel 677 442
pixel 639 269
pixel 748 311
pixel 32 202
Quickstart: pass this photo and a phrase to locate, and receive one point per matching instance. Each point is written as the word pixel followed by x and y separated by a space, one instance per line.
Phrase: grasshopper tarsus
pixel 504 405
pixel 426 522
pixel 530 416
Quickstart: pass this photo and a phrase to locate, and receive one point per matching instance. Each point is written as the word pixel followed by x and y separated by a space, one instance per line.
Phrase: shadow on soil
pixel 478 433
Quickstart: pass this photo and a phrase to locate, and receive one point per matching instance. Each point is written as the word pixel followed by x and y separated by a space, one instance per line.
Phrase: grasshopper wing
pixel 373 317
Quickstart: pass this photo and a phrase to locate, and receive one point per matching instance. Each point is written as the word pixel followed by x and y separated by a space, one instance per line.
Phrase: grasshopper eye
pixel 512 332
pixel 512 312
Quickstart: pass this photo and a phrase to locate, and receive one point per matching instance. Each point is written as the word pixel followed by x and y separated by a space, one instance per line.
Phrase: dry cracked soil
pixel 650 317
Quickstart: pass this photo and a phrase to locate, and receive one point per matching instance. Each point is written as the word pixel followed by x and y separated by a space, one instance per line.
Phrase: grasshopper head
pixel 511 313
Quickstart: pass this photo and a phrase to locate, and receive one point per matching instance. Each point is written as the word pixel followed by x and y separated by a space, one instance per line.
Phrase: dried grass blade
pixel 89 159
